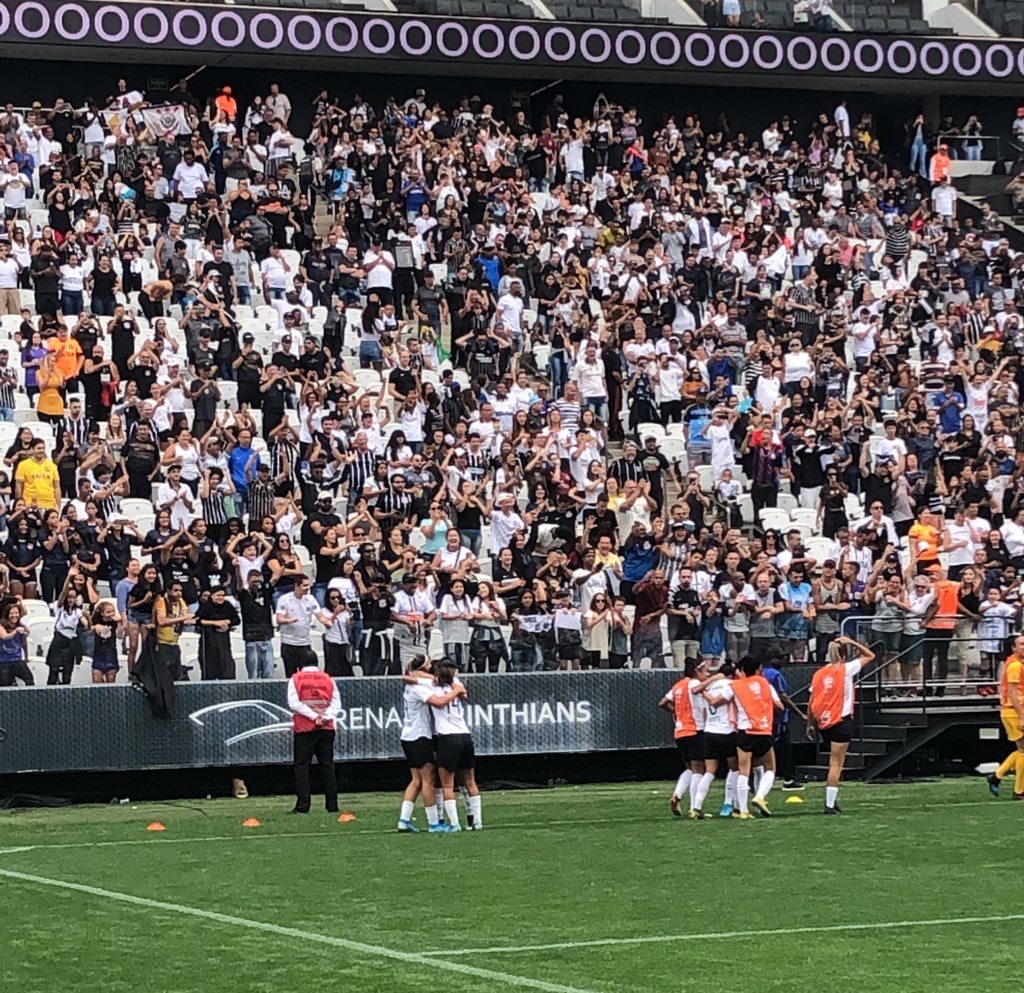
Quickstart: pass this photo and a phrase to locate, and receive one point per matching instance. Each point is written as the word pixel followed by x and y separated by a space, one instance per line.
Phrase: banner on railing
pixel 111 728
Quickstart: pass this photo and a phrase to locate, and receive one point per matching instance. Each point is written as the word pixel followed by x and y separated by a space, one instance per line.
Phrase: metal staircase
pixel 890 730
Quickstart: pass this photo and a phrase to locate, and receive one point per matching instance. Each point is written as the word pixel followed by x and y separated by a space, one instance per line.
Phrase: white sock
pixel 704 785
pixel 408 806
pixel 682 784
pixel 756 778
pixel 451 812
pixel 767 782
pixel 831 795
pixel 431 815
pixel 730 788
pixel 743 792
pixel 475 804
pixel 438 811
pixel 695 781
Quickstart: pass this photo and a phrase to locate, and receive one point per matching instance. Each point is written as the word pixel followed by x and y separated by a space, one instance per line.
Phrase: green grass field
pixel 910 890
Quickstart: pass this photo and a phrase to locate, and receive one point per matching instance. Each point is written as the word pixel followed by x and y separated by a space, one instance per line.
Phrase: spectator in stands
pixel 807 311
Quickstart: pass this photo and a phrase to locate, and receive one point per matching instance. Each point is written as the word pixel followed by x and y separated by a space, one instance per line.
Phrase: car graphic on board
pixel 243 720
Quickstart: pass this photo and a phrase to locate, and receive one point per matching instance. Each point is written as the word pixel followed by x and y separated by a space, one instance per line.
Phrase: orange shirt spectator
pixel 227 104
pixel 67 353
pixel 940 164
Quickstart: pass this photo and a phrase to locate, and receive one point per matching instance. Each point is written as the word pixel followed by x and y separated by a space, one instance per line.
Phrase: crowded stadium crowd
pixel 552 387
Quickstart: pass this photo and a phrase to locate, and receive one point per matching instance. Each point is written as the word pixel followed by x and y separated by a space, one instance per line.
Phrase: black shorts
pixel 568 645
pixel 758 745
pixel 840 734
pixel 720 747
pixel 419 753
pixel 455 752
pixel 691 748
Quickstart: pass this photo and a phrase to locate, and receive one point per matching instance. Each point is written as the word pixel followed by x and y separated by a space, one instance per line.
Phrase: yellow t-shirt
pixel 39 479
pixel 926 539
pixel 168 635
pixel 1013 670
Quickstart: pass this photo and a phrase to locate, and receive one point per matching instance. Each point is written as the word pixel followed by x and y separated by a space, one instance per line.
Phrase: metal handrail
pixel 950 138
pixel 879 664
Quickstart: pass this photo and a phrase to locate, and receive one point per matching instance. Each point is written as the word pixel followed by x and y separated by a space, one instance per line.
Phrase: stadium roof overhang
pixel 226 35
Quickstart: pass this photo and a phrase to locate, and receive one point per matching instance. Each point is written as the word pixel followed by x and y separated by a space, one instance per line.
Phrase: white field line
pixel 767 933
pixel 532 825
pixel 312 937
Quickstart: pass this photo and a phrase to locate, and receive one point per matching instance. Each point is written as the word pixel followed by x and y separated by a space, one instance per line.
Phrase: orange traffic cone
pixel 250 822
pixel 155 826
pixel 346 818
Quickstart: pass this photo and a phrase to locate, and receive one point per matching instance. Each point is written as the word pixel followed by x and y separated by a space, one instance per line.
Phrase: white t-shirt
pixel 416 719
pixel 720 719
pixel 380 276
pixel 275 273
pixel 8 274
pixel 181 516
pixel 943 199
pixel 190 179
pixel 302 609
pixel 450 719
pixel 510 311
pixel 72 278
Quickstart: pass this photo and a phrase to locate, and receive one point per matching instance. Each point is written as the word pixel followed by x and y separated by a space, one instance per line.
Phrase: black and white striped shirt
pixel 76 428
pixel 214 511
pixel 358 471
pixel 8 380
pixel 395 504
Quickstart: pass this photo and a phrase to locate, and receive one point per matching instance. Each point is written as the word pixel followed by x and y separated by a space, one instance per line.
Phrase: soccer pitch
pixel 593 889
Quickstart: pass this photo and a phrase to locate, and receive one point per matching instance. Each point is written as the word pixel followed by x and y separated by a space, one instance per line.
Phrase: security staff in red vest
pixel 314 702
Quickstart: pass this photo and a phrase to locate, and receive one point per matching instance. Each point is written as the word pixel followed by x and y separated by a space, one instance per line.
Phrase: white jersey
pixel 450 719
pixel 720 719
pixel 416 720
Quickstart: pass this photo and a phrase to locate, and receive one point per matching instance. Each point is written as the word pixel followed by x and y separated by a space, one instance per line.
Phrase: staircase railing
pixel 918 697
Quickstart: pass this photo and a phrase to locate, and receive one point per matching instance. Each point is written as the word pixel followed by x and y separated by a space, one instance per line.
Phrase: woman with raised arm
pixel 831 708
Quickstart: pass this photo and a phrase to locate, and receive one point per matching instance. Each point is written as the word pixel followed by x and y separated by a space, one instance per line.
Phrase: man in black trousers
pixel 314 702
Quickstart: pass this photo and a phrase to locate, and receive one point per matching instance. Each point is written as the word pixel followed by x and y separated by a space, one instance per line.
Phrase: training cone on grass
pixel 793 799
pixel 251 822
pixel 346 817
pixel 155 826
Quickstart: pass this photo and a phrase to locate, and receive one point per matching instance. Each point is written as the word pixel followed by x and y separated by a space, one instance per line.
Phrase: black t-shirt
pixel 118 550
pixel 141 456
pixel 602 525
pixel 654 465
pixel 429 300
pixel 274 398
pixel 314 362
pixel 122 339
pixel 250 369
pixel 103 283
pixel 285 360
pixel 184 574
pixel 205 403
pixel 257 614
pixel 44 280
pixel 143 376
pixel 403 380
